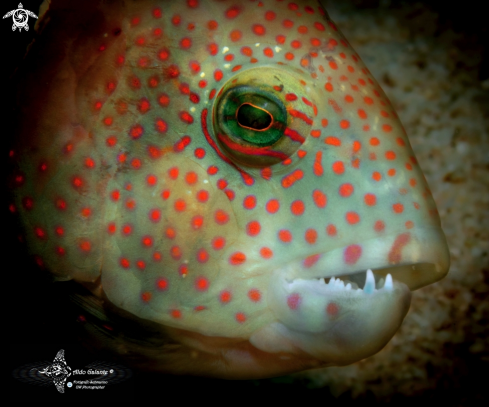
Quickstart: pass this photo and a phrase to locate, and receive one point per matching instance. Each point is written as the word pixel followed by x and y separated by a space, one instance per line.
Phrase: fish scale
pixel 204 165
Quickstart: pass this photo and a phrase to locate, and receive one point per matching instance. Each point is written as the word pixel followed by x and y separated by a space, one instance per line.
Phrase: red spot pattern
pixel 342 153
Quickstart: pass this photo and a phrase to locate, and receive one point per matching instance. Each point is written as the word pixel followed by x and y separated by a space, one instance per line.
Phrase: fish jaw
pixel 334 322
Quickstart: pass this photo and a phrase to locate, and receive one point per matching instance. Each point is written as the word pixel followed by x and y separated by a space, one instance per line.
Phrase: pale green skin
pixel 58 96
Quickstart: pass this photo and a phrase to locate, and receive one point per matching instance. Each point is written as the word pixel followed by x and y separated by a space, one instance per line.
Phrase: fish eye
pixel 252 123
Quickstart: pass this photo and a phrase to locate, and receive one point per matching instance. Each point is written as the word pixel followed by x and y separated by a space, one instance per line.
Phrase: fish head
pixel 229 174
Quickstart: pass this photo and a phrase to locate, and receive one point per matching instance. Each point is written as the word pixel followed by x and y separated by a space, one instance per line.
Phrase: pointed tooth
pixel 348 286
pixel 379 284
pixel 388 283
pixel 331 282
pixel 322 281
pixel 369 286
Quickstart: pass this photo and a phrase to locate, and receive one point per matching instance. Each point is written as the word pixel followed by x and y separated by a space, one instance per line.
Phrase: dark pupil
pixel 253 118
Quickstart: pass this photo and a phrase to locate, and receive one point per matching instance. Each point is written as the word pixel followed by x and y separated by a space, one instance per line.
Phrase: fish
pixel 225 184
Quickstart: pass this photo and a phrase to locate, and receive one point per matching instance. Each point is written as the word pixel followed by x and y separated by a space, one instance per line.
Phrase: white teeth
pixel 388 283
pixel 369 287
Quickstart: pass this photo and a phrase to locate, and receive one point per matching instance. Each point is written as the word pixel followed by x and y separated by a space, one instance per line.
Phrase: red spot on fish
pixel 370 199
pixel 176 313
pixel 240 317
pixel 155 215
pixel 319 198
pixel 332 309
pixel 28 203
pixel 352 253
pixel 297 207
pixel 218 243
pixel 352 217
pixel 201 284
pixel 124 263
pixel 185 43
pixel 331 230
pixel 259 29
pixel 221 217
pixel 212 48
pixel 175 252
pixel 237 258
pixel 285 236
pixel 318 166
pixel 272 206
pixel 346 190
pixel 310 236
pixel 249 202
pixel 136 131
pixel 254 295
pixel 288 23
pixel 270 15
pixel 266 252
pixel 390 155
pixel 294 301
pixel 172 72
pixel 218 75
pixel 280 39
pixel 225 296
pixel 253 228
pixel 311 260
pixel 162 284
pixel 398 208
pixel 319 26
pixel 235 35
pixel 268 52
pixel 291 178
pixel 147 241
pixel 176 20
pixel 395 253
pixel 338 167
pixel 232 12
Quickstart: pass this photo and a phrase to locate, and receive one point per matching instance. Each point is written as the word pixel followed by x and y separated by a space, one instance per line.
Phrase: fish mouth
pixel 366 281
pixel 338 319
pixel 414 259
pixel 345 304
pixel 413 276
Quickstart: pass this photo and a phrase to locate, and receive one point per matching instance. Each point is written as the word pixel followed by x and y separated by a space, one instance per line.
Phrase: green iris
pixel 251 115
